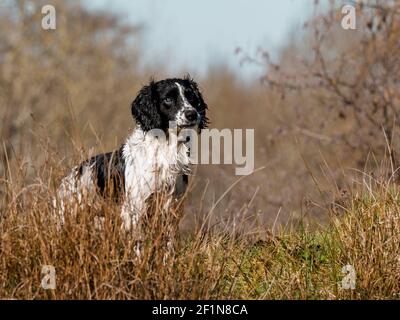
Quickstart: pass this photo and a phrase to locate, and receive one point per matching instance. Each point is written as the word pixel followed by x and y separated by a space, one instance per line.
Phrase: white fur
pixel 73 192
pixel 180 116
pixel 151 164
pixel 186 103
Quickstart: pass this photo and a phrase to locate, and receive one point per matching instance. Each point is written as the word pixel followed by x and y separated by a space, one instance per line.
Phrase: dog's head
pixel 170 100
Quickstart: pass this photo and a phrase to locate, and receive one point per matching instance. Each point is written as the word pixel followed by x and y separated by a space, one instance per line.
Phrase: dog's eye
pixel 168 102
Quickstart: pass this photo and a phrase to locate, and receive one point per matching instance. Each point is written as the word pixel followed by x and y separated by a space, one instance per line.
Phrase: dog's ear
pixel 144 108
pixel 202 111
pixel 202 107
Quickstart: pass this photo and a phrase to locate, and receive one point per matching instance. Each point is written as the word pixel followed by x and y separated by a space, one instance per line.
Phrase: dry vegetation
pixel 325 118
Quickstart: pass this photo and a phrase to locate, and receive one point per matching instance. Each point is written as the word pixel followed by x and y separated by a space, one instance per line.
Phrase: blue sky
pixel 194 34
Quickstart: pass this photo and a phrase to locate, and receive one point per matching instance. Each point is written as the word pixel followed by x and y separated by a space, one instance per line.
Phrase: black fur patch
pixel 108 173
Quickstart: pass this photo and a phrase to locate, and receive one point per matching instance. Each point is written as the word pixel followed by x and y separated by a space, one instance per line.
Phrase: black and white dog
pixel 145 163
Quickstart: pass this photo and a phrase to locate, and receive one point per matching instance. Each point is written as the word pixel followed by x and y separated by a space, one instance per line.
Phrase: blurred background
pixel 323 100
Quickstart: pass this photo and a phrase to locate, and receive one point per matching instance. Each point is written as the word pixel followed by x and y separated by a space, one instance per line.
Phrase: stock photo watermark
pixel 349 20
pixel 49 21
pixel 349 280
pixel 49 277
pixel 205 148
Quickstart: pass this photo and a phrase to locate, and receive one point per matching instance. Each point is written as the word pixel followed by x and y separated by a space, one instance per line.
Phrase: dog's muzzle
pixel 191 118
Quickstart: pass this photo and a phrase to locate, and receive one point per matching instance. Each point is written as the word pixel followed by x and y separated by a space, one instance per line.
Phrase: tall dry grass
pixel 214 262
pixel 285 232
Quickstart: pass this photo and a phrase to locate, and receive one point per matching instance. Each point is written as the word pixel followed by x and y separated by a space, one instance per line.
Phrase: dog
pixel 146 163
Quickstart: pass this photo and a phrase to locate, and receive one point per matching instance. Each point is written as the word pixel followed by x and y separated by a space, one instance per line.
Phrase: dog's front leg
pixel 130 213
pixel 133 206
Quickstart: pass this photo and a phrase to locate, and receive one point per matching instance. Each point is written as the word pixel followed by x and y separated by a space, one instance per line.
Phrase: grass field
pixel 321 218
pixel 300 263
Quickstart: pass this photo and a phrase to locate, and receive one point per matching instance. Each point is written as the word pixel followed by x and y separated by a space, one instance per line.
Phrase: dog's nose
pixel 191 115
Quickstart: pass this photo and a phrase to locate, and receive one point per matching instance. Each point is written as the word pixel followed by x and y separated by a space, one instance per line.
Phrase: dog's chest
pixel 152 164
